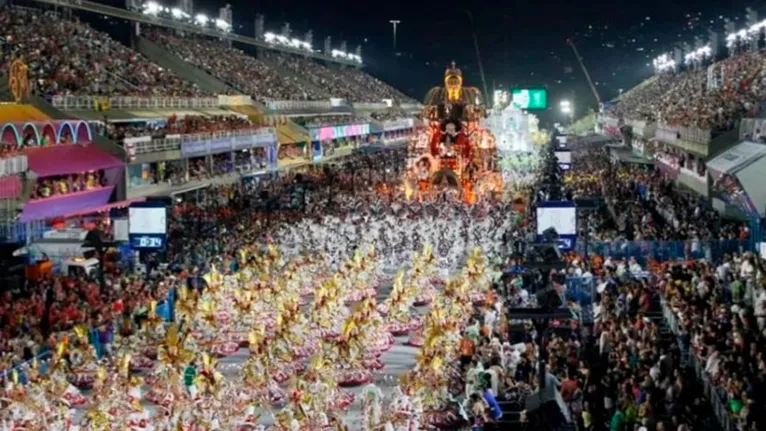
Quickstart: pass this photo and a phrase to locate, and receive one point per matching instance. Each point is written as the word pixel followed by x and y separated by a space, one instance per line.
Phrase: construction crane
pixel 570 42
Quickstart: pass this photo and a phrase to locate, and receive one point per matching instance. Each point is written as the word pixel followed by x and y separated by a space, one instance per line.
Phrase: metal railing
pixel 371 106
pixel 717 400
pixel 672 134
pixel 299 105
pixel 173 142
pixel 13 165
pixel 22 232
pixel 97 103
pixel 411 106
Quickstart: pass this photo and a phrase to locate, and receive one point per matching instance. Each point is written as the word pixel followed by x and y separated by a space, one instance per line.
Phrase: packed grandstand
pixel 336 257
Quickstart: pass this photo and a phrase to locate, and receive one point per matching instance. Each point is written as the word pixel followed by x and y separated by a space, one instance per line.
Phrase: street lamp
pixel 566 107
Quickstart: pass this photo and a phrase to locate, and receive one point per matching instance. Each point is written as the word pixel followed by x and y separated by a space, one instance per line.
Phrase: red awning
pixel 102 208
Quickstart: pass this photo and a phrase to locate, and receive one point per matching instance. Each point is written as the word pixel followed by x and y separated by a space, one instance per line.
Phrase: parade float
pixel 454 155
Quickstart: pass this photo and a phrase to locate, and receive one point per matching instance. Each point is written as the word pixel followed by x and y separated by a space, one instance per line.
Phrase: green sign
pixel 530 98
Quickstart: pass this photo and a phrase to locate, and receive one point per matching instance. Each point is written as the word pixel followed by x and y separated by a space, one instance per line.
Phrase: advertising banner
pixel 337 132
pixel 222 145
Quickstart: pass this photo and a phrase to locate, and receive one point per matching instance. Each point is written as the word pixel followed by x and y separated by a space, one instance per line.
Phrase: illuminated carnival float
pixel 454 154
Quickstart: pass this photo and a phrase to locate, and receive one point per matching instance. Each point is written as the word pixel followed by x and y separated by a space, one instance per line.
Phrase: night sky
pixel 521 43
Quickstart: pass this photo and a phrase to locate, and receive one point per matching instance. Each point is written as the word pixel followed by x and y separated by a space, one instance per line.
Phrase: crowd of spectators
pixel 309 80
pixel 693 98
pixel 33 317
pixel 291 152
pixel 67 57
pixel 170 172
pixel 174 125
pixel 642 204
pixel 8 150
pixel 233 66
pixel 345 83
pixel 377 90
pixel 721 313
pixel 638 383
pixel 66 184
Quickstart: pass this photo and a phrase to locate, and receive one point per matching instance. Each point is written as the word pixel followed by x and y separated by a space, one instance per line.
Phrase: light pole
pixel 395 23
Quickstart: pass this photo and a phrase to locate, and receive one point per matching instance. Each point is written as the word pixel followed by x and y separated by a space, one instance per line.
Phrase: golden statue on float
pixel 454 152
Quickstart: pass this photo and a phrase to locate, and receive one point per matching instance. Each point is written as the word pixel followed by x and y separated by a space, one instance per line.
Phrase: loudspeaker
pixel 547 407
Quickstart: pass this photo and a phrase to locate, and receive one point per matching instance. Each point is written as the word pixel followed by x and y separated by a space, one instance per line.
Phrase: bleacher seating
pixel 67 57
pixel 236 68
pixel 685 99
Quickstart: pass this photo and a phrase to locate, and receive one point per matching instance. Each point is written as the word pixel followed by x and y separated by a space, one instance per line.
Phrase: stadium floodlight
pixel 698 54
pixel 178 13
pixel 663 63
pixel 566 107
pixel 745 34
pixel 342 54
pixel 278 39
pixel 222 25
pixel 201 19
pixel 732 38
pixel 152 8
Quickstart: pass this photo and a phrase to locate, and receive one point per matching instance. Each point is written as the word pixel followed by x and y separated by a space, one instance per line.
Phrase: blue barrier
pixel 22 232
pixel 663 251
pixel 582 291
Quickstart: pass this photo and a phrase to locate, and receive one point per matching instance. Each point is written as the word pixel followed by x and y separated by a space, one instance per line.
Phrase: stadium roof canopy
pixel 745 162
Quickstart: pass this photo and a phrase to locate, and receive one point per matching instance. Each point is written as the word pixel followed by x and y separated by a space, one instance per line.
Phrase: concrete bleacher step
pixel 168 60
